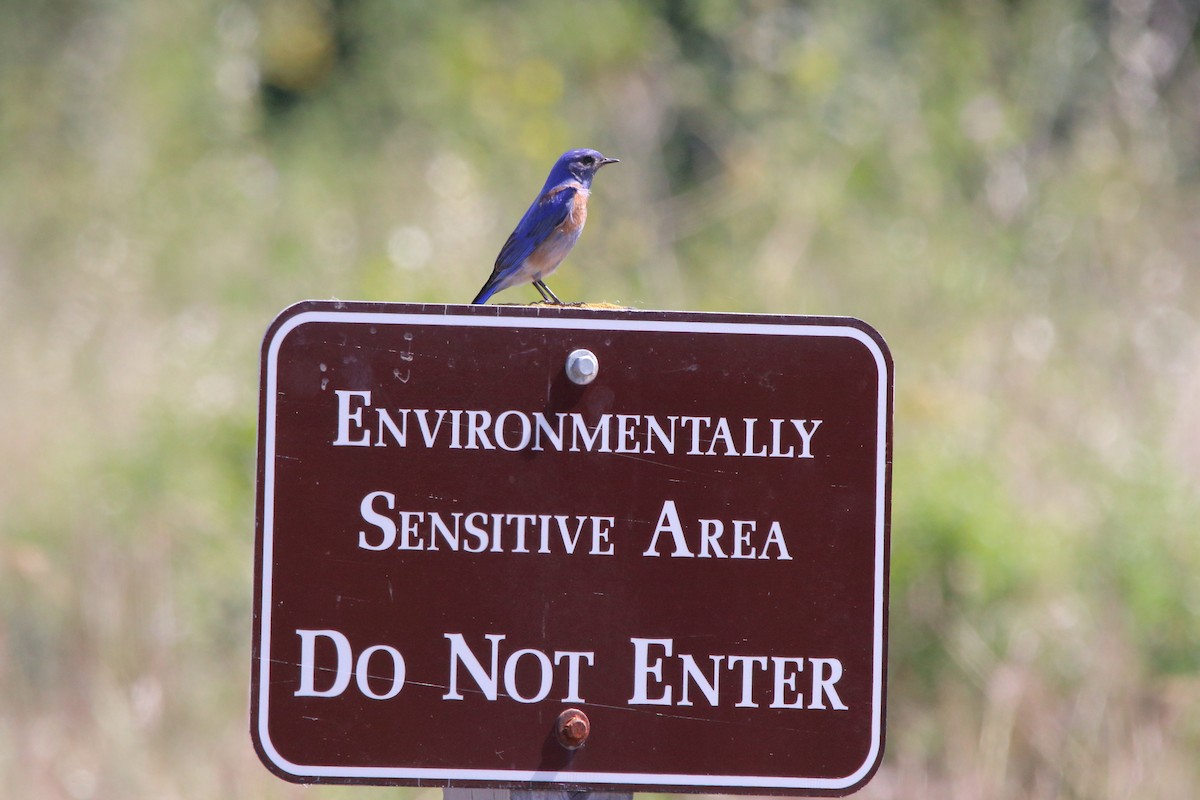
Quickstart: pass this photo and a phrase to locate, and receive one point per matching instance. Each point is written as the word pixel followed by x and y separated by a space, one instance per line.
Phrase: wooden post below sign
pixel 551 549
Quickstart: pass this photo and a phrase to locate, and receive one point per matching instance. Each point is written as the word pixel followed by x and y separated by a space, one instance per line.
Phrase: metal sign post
pixel 553 549
pixel 518 794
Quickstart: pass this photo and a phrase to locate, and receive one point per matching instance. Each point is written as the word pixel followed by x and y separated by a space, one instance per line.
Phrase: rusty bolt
pixel 572 728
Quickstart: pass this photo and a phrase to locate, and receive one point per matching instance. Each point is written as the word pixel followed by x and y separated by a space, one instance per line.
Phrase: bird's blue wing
pixel 547 213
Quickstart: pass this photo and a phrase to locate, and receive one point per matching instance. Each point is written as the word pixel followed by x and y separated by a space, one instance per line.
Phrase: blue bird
pixel 549 228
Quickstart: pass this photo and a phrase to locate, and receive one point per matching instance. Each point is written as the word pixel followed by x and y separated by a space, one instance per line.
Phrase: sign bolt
pixel 572 728
pixel 582 367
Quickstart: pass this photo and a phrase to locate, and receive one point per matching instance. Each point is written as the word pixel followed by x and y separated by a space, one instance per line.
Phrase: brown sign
pixel 473 519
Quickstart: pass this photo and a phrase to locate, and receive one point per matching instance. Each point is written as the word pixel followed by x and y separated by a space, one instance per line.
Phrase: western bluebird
pixel 549 228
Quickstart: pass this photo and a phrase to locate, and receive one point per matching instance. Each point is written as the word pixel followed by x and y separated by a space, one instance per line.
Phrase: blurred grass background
pixel 1006 190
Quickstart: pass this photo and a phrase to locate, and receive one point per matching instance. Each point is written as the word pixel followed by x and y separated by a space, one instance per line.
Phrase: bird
pixel 550 227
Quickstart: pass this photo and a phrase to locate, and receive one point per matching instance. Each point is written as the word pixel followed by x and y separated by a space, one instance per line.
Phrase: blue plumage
pixel 549 228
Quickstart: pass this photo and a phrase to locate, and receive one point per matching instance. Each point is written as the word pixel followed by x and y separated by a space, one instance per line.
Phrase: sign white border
pixel 302 771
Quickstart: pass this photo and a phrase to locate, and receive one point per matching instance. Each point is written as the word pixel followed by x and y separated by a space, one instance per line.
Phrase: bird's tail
pixel 490 288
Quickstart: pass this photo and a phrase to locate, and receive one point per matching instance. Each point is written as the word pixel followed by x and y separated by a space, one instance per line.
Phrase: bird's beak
pixel 606 160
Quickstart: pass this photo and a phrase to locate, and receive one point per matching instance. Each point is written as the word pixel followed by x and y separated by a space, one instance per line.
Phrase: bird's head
pixel 580 165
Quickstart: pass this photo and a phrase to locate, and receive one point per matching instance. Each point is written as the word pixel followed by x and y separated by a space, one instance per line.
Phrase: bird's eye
pixel 587 161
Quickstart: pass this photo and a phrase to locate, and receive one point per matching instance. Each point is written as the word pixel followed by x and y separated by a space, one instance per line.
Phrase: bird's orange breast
pixel 578 216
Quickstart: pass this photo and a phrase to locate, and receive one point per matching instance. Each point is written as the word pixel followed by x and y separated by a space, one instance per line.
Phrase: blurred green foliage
pixel 1007 190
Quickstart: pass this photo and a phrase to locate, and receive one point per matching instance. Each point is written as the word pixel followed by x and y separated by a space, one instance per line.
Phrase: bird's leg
pixel 545 290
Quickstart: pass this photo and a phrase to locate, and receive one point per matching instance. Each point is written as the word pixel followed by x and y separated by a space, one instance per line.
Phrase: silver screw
pixel 582 367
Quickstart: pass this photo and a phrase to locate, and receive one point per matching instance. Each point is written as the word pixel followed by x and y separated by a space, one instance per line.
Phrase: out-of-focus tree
pixel 1007 190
